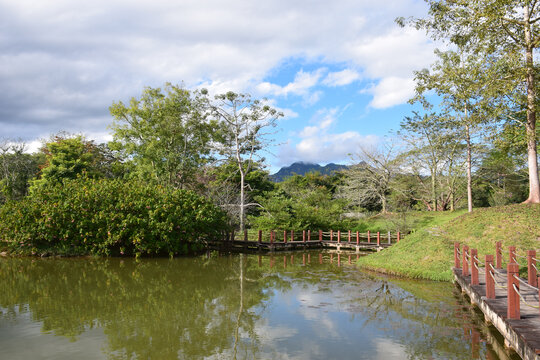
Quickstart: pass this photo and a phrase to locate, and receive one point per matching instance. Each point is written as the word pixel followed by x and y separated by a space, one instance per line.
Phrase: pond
pixel 311 305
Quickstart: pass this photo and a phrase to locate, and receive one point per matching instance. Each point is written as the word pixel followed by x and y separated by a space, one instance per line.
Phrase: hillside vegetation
pixel 428 252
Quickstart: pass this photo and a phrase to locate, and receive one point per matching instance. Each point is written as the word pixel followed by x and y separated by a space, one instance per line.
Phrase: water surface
pixel 294 306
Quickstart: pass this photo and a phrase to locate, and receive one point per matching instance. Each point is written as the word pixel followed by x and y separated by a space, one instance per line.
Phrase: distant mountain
pixel 302 168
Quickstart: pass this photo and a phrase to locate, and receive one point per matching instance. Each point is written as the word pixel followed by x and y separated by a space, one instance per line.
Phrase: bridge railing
pixel 285 236
pixel 518 290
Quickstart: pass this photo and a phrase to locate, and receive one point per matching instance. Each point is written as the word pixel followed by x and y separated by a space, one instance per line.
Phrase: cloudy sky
pixel 341 71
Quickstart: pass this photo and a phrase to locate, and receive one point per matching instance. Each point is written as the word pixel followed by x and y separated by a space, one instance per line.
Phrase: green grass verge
pixel 428 252
pixel 409 221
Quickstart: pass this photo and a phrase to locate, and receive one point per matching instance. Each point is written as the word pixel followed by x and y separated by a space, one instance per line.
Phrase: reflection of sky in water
pixel 302 312
pixel 20 337
pixel 298 319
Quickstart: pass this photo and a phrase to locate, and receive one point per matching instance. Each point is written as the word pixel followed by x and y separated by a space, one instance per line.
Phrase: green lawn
pixel 428 252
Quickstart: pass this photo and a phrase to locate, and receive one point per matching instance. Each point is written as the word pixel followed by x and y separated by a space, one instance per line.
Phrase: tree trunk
pixel 469 167
pixel 433 191
pixel 242 200
pixel 240 309
pixel 534 183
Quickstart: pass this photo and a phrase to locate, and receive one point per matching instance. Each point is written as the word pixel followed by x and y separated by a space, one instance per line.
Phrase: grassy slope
pixel 428 252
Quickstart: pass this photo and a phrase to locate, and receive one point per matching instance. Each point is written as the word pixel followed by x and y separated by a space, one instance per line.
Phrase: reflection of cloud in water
pixel 387 349
pixel 266 332
pixel 23 338
pixel 312 309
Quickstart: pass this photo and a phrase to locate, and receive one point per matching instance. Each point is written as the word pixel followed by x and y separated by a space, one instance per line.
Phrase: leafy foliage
pixel 109 217
pixel 17 168
pixel 69 157
pixel 165 133
pixel 301 202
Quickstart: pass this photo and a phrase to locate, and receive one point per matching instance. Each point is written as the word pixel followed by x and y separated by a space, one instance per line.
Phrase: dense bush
pixel 109 217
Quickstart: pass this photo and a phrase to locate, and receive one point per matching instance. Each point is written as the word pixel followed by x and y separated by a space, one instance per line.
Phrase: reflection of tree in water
pixel 429 318
pixel 155 309
pixel 199 307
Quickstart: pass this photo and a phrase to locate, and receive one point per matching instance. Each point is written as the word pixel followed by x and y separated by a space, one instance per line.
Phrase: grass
pixel 428 252
pixel 409 221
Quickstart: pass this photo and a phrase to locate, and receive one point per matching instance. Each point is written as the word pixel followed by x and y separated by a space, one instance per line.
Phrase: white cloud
pixel 302 85
pixel 320 145
pixel 392 91
pixel 341 78
pixel 64 62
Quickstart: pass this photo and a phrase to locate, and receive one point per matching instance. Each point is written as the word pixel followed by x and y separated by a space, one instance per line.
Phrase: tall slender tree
pixel 245 123
pixel 460 79
pixel 500 28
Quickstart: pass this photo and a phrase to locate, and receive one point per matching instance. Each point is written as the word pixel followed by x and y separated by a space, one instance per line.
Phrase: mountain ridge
pixel 303 167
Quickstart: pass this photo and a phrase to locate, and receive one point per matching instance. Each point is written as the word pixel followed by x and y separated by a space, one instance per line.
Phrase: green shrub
pixel 109 217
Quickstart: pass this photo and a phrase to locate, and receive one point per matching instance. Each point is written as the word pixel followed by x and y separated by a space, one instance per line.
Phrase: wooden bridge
pixel 260 241
pixel 508 302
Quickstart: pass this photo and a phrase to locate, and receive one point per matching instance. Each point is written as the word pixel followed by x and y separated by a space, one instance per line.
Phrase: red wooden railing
pixel 513 281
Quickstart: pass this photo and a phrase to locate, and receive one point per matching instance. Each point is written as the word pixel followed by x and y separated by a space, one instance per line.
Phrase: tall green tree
pixel 245 124
pixel 506 29
pixel 459 78
pixel 166 133
pixel 432 150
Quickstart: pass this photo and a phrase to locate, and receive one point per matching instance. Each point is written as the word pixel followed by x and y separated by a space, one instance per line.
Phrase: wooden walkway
pixel 256 241
pixel 522 331
pixel 264 246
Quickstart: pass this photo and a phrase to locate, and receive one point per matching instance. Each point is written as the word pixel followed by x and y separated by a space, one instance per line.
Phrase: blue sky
pixel 341 71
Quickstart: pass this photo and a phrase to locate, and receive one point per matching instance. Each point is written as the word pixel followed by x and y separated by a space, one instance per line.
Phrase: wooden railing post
pixel 368 236
pixel 474 267
pixel 357 238
pixel 498 255
pixel 331 235
pixel 349 236
pixel 303 235
pixel 513 296
pixel 465 271
pixel 309 235
pixel 285 236
pixel 398 236
pixel 490 283
pixel 260 237
pixel 531 271
pixel 512 254
pixel 378 238
pixel 339 236
pixel 320 235
pixel 389 238
pixel 456 255
pixel 245 235
pixel 292 235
